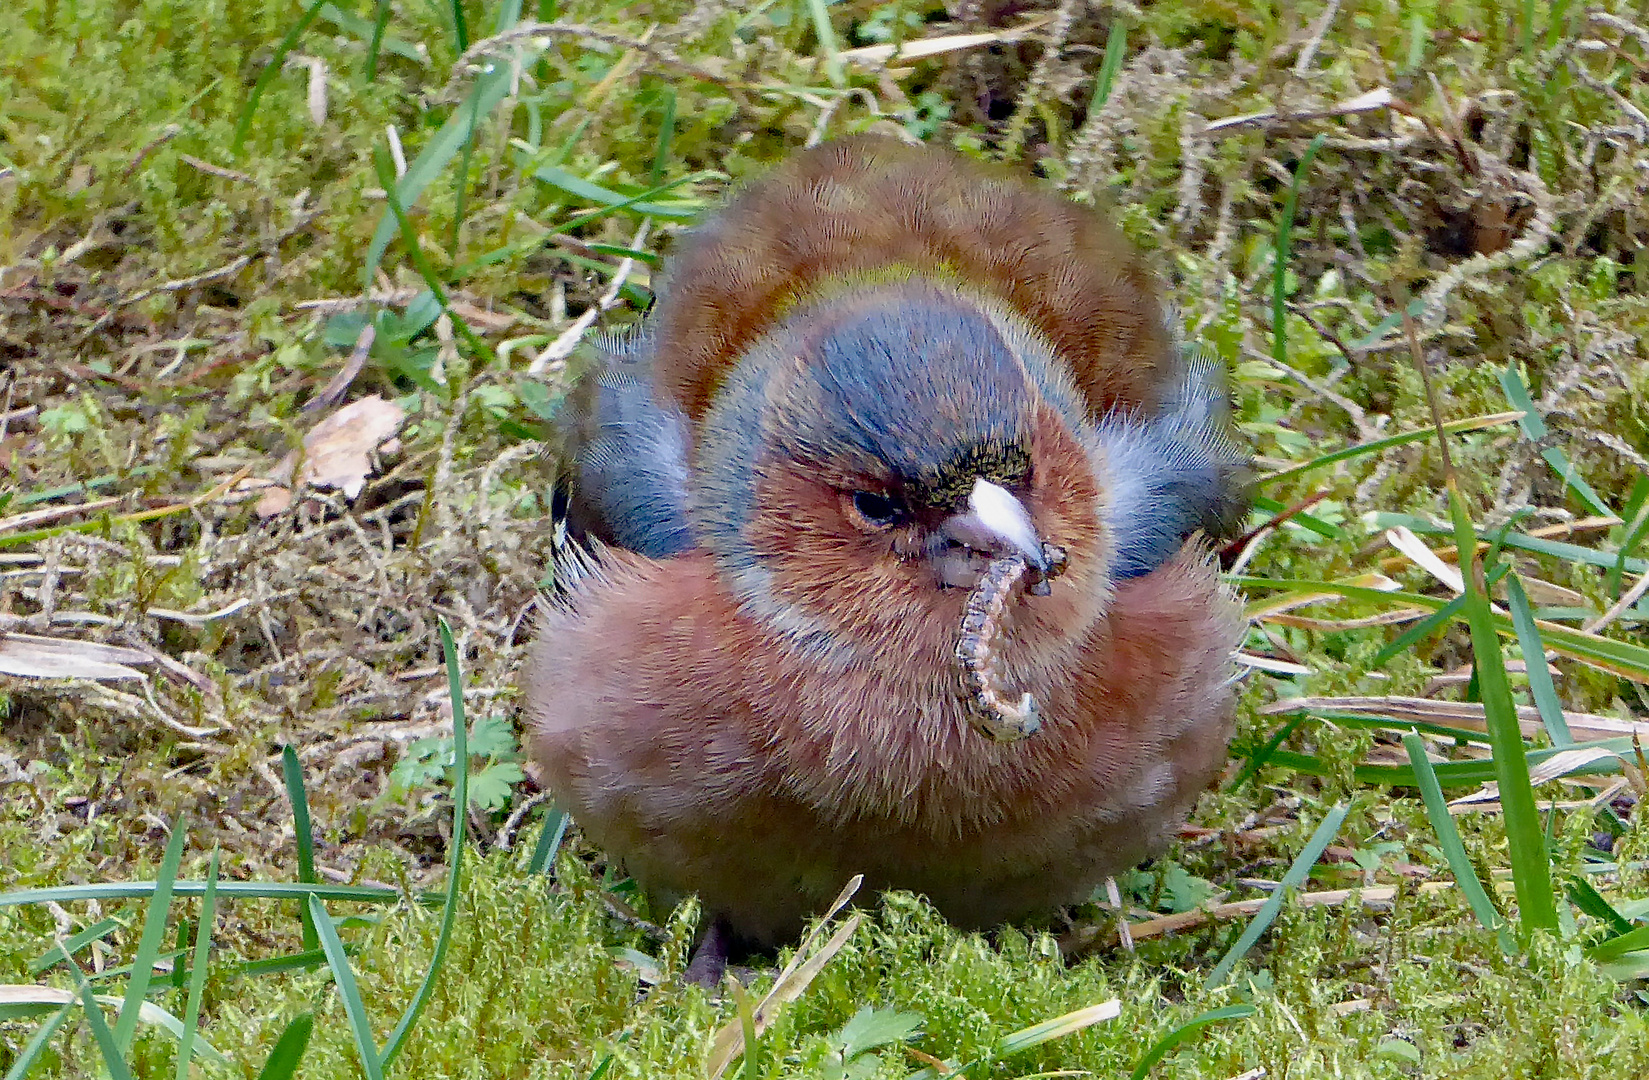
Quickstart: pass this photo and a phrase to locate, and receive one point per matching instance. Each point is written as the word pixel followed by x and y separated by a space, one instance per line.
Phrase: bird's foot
pixel 709 961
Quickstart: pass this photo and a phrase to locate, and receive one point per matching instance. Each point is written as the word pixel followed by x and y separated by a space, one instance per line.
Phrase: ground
pixel 192 208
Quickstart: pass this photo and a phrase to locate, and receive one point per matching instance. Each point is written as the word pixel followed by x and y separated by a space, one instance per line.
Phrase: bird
pixel 896 520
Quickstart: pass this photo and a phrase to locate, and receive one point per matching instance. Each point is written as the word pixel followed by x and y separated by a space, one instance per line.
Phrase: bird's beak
pixel 997 524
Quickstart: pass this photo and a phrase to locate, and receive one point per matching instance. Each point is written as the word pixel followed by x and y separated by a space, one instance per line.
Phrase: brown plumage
pixel 893 368
pixel 862 205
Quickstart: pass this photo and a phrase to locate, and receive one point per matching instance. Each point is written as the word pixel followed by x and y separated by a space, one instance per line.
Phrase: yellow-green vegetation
pixel 202 206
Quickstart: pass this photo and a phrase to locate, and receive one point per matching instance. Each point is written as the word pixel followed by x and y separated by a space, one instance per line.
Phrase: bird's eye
pixel 878 511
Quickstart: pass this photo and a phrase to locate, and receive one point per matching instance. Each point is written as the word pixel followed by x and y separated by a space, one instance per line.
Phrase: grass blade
pixel 106 1043
pixel 372 31
pixel 1402 438
pixel 30 1054
pixel 154 934
pixel 1617 947
pixel 1458 773
pixel 277 62
pixel 455 851
pixel 1590 901
pixel 415 252
pixel 23 1002
pixel 747 1024
pixel 1375 722
pixel 1025 1039
pixel 52 957
pixel 1534 429
pixel 197 975
pixel 461 184
pixel 1431 624
pixel 509 13
pixel 1285 239
pixel 275 965
pixel 1631 966
pixel 1534 661
pixel 490 89
pixel 827 41
pixel 610 200
pixel 343 976
pixel 283 1060
pixel 1559 549
pixel 1183 1032
pixel 380 21
pixel 303 830
pixel 1258 759
pixel 256 890
pixel 549 841
pixel 1531 869
pixel 460 25
pixel 1292 880
pixel 1448 836
pixel 666 135
pixel 1116 47
pixel 1057 1028
pixel 112 1059
pixel 1624 658
pixel 1379 330
pixel 180 971
pixel 1637 512
pixel 1306 521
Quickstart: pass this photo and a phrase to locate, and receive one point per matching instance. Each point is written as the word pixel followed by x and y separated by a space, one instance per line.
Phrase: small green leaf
pixel 490 788
pixel 1398 1050
pixel 492 736
pixel 870 1029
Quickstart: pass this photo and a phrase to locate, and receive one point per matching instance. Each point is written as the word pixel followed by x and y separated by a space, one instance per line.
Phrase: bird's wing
pixel 1173 473
pixel 629 457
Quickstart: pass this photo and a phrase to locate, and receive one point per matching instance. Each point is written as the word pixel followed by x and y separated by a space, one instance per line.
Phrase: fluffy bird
pixel 901 494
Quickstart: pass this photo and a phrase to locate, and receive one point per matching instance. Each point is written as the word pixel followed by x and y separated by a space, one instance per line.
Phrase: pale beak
pixel 996 524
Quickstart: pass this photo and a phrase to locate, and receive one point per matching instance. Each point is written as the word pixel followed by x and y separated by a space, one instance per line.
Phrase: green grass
pixel 181 248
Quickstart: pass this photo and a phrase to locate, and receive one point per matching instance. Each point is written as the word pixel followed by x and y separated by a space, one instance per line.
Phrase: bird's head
pixel 865 462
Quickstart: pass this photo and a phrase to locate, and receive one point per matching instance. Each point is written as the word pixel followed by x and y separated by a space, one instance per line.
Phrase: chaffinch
pixel 901 495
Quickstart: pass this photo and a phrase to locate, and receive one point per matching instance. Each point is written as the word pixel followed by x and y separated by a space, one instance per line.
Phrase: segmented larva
pixel 999 714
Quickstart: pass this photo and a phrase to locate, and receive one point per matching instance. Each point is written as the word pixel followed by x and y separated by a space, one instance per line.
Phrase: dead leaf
pixel 934 46
pixel 35 657
pixel 804 965
pixel 1462 714
pixel 337 452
